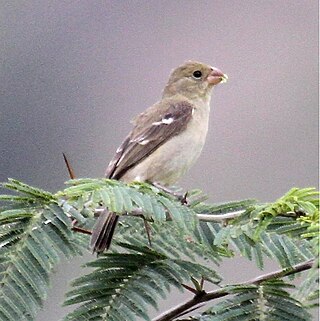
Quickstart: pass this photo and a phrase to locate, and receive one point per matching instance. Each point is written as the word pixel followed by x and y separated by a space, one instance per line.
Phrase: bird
pixel 166 139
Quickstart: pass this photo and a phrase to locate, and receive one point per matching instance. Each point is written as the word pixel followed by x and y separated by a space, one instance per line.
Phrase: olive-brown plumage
pixel 166 139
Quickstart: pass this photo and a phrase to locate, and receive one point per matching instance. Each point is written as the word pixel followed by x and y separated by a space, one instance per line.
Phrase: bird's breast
pixel 173 159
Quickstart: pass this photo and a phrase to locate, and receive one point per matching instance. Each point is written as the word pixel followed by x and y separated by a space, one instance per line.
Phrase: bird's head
pixel 194 80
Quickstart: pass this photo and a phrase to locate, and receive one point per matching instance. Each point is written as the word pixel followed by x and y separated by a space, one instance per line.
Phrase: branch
pixel 202 217
pixel 207 296
pixel 219 217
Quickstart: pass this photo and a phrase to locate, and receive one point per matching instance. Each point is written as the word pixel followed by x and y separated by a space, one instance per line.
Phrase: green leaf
pixel 35 234
pixel 267 301
pixel 113 289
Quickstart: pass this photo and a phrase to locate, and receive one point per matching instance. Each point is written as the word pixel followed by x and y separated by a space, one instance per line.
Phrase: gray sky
pixel 73 73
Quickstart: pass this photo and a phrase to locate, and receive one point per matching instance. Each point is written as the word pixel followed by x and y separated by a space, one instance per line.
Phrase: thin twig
pixel 81 230
pixel 202 217
pixel 219 217
pixel 69 167
pixel 207 296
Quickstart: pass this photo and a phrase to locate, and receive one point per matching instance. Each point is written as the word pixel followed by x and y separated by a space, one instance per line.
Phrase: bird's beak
pixel 216 76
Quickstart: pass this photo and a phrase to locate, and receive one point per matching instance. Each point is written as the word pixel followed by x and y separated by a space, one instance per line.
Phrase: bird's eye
pixel 197 74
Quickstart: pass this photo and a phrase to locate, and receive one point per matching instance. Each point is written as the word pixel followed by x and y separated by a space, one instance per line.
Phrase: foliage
pixel 34 235
pixel 266 301
pixel 36 232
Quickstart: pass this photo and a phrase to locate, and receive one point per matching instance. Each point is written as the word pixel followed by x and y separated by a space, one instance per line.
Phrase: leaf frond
pixel 123 284
pixel 34 235
pixel 266 301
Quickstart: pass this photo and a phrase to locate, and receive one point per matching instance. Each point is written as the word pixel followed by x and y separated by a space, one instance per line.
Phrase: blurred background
pixel 73 73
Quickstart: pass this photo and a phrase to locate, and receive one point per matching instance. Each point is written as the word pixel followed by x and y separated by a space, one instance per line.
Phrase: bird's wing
pixel 146 138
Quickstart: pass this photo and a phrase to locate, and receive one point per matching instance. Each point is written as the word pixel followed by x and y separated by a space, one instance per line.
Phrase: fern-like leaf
pixel 266 301
pixel 123 284
pixel 34 234
pixel 120 198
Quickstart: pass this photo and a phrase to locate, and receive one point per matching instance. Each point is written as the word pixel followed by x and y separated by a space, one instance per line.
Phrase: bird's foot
pixel 181 197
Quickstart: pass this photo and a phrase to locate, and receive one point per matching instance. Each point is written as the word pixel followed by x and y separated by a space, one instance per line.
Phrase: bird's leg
pixel 148 230
pixel 181 197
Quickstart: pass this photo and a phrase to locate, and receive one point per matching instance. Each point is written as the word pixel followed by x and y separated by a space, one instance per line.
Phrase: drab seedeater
pixel 166 139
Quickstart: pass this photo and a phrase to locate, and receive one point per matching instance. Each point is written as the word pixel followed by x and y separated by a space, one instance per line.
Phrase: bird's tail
pixel 103 231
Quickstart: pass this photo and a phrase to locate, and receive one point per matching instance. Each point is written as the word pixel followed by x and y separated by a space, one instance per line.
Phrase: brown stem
pixel 207 296
pixel 81 230
pixel 69 167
